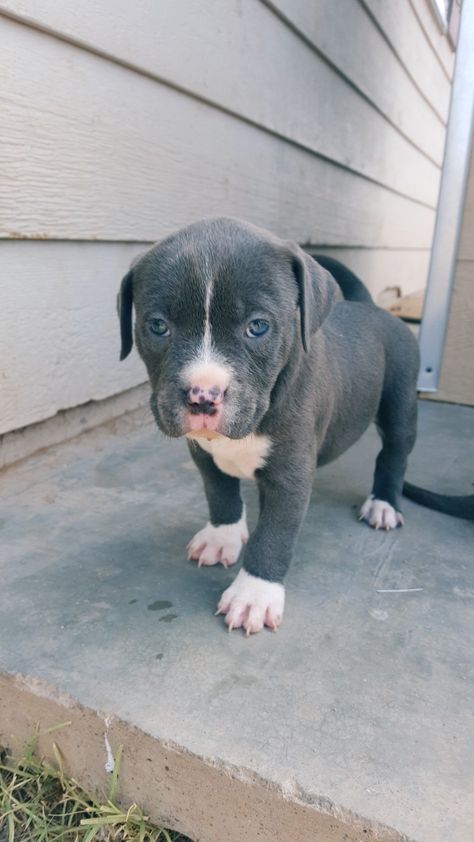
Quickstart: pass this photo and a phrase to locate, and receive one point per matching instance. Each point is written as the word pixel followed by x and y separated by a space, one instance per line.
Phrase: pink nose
pixel 204 400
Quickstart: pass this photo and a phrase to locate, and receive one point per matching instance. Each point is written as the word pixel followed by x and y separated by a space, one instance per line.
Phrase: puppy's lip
pixel 203 433
pixel 202 421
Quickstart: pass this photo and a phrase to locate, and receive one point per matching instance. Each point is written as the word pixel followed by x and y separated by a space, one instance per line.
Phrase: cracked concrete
pixel 354 722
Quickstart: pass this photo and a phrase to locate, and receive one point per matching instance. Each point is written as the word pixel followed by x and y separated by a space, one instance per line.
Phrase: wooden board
pixel 408 307
pixel 92 150
pixel 228 62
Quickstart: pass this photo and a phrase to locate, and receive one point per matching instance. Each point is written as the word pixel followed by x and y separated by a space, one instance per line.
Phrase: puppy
pixel 270 362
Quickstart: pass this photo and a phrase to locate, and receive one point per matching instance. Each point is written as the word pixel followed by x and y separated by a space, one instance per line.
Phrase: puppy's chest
pixel 238 457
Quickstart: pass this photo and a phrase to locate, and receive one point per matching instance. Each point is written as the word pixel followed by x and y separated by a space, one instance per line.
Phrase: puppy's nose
pixel 204 400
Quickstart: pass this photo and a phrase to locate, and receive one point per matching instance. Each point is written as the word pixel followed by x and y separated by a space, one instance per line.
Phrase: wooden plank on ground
pixel 408 307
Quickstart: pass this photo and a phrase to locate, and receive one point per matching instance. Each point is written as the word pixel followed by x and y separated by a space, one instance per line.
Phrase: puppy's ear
pixel 317 292
pixel 124 308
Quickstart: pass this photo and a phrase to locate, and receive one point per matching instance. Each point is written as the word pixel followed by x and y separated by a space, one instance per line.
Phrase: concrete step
pixel 354 722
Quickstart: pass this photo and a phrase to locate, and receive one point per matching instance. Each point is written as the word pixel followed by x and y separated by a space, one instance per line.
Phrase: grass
pixel 39 803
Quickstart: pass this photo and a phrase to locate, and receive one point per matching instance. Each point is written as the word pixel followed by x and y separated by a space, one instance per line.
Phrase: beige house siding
pixel 456 383
pixel 324 122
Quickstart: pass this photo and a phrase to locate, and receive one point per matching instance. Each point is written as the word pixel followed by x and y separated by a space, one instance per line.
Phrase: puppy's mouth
pixel 176 422
pixel 221 420
pixel 211 421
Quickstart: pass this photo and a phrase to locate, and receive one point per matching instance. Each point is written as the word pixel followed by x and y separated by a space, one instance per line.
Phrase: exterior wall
pixel 322 121
pixel 456 383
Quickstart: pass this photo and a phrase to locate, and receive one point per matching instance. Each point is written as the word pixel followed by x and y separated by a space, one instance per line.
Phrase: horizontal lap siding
pixel 401 27
pixel 242 57
pixel 95 151
pixel 435 36
pixel 353 44
pixel 61 339
pixel 122 122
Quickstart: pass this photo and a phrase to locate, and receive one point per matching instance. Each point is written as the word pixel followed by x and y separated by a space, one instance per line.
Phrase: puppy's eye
pixel 159 327
pixel 258 327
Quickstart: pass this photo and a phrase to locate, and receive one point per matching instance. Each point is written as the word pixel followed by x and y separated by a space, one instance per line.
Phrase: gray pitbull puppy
pixel 270 362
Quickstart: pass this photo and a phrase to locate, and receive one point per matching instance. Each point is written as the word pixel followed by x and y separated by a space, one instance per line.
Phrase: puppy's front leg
pixel 220 541
pixel 257 595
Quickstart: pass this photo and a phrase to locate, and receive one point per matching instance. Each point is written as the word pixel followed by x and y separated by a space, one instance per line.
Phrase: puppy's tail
pixel 450 505
pixel 352 287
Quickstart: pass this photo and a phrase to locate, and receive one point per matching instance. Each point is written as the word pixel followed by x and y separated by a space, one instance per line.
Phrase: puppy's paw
pixel 215 544
pixel 379 514
pixel 252 603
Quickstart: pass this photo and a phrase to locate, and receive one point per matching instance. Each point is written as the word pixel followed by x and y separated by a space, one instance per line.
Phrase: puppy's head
pixel 221 308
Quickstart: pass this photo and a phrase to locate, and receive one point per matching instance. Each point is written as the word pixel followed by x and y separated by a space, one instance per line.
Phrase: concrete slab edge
pixel 207 800
pixel 19 444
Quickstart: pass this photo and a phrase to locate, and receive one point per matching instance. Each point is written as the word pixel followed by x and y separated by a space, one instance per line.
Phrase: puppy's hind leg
pixel 396 423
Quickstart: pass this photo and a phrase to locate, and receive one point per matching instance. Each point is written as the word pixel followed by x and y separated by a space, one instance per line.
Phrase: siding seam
pixel 26 238
pixel 134 68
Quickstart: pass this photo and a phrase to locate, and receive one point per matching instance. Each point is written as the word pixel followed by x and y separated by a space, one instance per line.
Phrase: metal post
pixel 449 215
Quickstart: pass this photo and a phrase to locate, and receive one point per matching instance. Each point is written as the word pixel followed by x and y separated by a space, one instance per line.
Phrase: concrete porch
pixel 354 722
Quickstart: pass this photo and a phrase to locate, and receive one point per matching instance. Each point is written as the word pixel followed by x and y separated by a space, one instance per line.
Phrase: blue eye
pixel 256 328
pixel 159 327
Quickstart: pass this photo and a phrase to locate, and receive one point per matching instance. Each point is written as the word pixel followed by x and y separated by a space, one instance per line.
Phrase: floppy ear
pixel 124 308
pixel 317 292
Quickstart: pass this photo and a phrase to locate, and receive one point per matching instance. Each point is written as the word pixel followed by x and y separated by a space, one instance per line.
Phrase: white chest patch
pixel 238 457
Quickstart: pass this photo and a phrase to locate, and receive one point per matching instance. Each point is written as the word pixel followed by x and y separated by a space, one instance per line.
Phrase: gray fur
pixel 327 368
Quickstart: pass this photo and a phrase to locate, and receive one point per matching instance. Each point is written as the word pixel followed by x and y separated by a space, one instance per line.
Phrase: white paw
pixel 379 514
pixel 253 603
pixel 215 544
